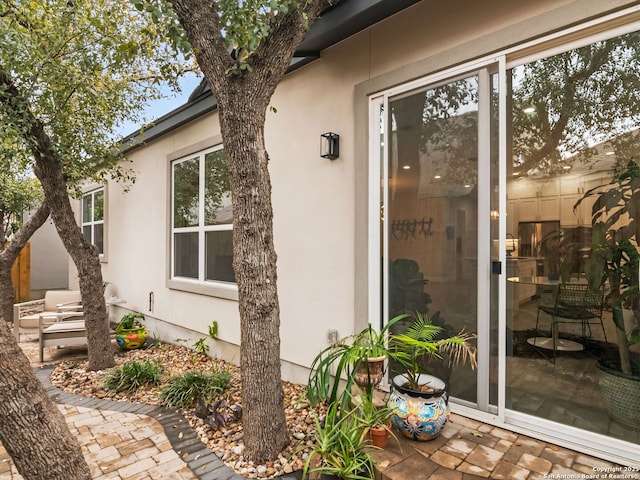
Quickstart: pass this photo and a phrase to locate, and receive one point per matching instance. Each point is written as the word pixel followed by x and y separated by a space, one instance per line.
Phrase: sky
pixel 159 108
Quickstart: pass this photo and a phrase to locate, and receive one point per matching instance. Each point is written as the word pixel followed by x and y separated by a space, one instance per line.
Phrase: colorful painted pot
pixel 130 339
pixel 419 415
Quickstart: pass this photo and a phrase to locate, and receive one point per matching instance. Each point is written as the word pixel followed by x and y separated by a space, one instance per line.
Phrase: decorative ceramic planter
pixel 130 339
pixel 370 371
pixel 419 415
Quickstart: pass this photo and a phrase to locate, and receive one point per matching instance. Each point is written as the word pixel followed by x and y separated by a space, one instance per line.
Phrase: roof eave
pixel 338 23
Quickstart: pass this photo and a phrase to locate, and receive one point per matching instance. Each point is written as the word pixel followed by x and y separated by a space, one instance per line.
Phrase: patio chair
pixel 68 329
pixel 575 303
pixel 27 315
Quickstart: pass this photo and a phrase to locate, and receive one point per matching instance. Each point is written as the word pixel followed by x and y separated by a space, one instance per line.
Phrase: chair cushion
pixel 32 321
pixel 65 327
pixel 53 297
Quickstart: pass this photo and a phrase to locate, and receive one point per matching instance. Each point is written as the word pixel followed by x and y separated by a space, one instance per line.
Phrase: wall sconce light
pixel 330 145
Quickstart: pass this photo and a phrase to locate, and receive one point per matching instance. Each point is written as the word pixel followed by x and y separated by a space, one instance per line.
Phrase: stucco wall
pixel 320 205
pixel 49 263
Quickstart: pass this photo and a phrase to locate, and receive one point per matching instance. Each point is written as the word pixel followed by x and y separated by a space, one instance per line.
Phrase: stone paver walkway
pixel 131 441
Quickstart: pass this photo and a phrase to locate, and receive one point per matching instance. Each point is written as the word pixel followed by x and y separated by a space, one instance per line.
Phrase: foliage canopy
pixel 81 69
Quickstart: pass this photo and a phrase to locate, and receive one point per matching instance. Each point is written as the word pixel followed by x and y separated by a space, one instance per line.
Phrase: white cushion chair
pixel 68 329
pixel 27 315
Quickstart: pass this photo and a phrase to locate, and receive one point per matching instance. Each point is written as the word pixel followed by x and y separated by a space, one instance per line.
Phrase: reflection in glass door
pixel 431 212
pixel 573 126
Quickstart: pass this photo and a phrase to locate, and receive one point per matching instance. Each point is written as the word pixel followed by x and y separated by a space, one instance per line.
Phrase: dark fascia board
pixel 202 104
pixel 348 18
pixel 337 23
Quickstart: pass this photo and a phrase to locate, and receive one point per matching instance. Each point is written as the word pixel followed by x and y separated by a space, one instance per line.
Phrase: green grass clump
pixel 131 376
pixel 183 390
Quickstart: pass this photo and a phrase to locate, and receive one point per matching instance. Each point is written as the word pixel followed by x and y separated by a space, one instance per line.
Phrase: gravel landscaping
pixel 227 441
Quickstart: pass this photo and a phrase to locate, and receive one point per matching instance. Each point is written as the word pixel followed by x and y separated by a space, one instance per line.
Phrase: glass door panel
pixel 432 213
pixel 572 126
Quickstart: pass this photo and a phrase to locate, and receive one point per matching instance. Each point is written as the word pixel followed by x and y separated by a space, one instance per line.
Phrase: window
pixel 93 218
pixel 202 236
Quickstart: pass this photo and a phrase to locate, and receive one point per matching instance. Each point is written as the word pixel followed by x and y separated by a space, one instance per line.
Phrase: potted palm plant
pixel 614 263
pixel 357 359
pixel 419 399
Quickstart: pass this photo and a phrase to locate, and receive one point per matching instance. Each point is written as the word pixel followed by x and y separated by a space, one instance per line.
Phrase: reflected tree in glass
pixel 217 200
pixel 186 181
pixel 566 105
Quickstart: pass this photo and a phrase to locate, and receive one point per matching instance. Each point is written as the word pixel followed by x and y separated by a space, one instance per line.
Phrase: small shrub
pixel 131 376
pixel 183 390
pixel 213 329
pixel 201 346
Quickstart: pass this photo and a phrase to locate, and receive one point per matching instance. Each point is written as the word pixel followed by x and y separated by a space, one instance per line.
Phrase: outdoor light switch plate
pixel 332 335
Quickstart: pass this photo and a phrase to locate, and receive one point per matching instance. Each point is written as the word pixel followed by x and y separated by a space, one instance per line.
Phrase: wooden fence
pixel 21 275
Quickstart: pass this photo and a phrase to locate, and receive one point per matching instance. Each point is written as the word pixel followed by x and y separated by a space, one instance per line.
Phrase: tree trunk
pixel 48 169
pixel 243 96
pixel 8 257
pixel 254 264
pixel 32 429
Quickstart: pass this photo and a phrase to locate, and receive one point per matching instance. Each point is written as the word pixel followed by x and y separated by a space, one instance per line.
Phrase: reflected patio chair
pixel 575 303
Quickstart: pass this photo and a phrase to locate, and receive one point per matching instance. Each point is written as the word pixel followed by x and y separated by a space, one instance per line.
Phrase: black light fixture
pixel 330 145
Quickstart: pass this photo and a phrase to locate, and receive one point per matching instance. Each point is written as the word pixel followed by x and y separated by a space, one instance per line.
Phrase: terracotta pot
pixel 379 436
pixel 370 371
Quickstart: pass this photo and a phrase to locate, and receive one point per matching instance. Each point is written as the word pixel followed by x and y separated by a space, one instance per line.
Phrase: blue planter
pixel 419 415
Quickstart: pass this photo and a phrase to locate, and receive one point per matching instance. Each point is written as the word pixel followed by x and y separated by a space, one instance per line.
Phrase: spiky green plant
pixel 201 347
pixel 132 375
pixel 183 390
pixel 424 339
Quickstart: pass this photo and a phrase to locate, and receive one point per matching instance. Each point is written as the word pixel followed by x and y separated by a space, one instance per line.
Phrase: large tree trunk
pixel 254 265
pixel 8 257
pixel 48 169
pixel 32 429
pixel 243 96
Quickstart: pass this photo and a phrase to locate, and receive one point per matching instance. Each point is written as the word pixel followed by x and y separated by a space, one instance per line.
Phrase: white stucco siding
pixel 432 27
pixel 318 203
pixel 138 240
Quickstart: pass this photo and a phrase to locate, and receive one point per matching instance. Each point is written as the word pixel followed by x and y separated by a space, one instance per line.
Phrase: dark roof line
pixel 344 19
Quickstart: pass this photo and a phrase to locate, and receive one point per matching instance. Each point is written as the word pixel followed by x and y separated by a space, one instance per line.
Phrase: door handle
pixel 496 267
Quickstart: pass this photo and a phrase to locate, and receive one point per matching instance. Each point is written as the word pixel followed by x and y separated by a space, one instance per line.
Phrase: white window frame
pixel 91 222
pixel 200 285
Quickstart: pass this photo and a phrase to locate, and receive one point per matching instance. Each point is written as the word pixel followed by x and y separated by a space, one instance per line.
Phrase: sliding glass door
pixel 500 195
pixel 573 130
pixel 435 160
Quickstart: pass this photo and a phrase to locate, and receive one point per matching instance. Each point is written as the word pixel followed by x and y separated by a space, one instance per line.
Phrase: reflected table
pixel 548 342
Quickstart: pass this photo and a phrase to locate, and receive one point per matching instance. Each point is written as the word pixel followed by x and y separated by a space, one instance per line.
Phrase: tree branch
pixel 286 33
pixel 201 22
pixel 27 229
